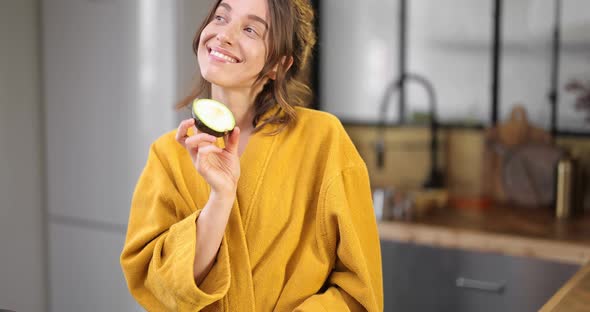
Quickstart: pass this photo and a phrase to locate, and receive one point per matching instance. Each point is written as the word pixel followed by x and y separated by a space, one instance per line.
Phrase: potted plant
pixel 582 91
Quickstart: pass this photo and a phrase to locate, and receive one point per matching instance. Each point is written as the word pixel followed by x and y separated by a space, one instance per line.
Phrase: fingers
pixel 181 133
pixel 198 140
pixel 204 151
pixel 192 141
pixel 233 141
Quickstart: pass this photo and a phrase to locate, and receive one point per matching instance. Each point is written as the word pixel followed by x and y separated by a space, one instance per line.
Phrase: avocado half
pixel 212 117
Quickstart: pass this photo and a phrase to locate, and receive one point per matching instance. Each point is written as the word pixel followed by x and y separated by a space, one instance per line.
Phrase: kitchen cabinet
pixel 112 73
pixel 424 278
pixel 84 270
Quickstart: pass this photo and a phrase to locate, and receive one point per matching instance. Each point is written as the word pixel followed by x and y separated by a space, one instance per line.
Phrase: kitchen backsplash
pixel 460 153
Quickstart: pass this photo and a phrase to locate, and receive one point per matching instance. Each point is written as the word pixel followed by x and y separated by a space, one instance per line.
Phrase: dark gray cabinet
pixel 421 278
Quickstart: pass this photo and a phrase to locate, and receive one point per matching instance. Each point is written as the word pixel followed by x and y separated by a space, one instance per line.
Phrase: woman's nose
pixel 226 36
pixel 223 38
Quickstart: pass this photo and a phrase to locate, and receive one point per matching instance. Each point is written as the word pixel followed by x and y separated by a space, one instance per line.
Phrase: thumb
pixel 233 141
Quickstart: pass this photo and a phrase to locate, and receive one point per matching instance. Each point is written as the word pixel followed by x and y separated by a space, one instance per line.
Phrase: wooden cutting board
pixel 517 130
pixel 520 161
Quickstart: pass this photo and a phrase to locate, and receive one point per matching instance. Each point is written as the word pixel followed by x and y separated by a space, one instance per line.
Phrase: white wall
pixel 21 150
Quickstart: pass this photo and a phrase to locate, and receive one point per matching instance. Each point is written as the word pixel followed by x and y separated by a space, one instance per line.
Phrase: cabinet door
pixel 85 274
pixel 109 90
pixel 418 278
pixel 359 54
pixel 505 283
pixel 421 278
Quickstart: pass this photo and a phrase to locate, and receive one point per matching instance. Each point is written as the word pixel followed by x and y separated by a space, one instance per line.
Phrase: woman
pixel 275 217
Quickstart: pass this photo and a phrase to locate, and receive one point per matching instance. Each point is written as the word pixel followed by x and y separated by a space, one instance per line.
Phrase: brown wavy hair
pixel 292 35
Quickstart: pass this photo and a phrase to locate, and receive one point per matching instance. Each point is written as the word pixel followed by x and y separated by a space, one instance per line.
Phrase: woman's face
pixel 233 46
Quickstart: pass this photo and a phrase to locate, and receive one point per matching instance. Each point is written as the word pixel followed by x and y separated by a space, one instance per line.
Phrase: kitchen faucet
pixel 435 178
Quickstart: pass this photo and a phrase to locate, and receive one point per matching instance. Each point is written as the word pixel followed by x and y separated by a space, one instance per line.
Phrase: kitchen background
pixel 86 86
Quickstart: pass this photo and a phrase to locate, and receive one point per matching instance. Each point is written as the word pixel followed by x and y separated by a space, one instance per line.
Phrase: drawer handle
pixel 480 285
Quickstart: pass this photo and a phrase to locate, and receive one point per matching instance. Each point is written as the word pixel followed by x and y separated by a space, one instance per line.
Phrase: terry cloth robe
pixel 301 236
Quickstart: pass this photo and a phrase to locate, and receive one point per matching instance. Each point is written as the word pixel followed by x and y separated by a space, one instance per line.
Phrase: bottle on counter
pixel 567 195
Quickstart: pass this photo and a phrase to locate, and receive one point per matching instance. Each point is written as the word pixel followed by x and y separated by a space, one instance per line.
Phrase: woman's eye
pixel 219 18
pixel 250 30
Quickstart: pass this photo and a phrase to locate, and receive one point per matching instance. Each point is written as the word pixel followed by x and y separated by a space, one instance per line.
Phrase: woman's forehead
pixel 247 7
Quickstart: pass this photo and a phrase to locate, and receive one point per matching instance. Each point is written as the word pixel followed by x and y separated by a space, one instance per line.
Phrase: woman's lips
pixel 223 56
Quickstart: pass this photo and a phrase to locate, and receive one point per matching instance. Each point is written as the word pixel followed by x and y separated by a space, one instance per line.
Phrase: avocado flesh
pixel 212 117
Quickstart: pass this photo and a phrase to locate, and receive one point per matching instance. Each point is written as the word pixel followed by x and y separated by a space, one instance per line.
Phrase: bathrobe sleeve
pixel 350 231
pixel 158 255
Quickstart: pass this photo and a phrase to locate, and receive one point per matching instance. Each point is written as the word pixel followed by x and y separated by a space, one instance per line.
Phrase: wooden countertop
pixel 511 231
pixel 574 295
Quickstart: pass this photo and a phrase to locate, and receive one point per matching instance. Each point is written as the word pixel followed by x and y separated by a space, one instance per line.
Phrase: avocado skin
pixel 203 128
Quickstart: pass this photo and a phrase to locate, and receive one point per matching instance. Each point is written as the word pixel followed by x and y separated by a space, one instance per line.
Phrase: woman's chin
pixel 221 83
pixel 220 79
pixel 224 80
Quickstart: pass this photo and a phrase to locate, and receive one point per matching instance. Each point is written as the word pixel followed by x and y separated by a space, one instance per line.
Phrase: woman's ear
pixel 286 61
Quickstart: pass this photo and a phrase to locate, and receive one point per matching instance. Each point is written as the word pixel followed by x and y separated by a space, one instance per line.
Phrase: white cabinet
pixel 113 71
pixel 85 271
pixel 359 56
pixel 110 88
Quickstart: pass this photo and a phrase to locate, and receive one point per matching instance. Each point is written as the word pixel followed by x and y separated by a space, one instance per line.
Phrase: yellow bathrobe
pixel 301 236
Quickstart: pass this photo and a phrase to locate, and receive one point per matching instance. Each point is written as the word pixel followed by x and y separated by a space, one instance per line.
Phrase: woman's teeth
pixel 223 56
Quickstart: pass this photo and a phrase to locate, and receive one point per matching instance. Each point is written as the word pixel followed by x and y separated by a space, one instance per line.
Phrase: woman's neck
pixel 240 102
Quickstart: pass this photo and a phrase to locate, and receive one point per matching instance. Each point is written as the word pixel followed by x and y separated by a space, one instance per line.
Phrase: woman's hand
pixel 219 167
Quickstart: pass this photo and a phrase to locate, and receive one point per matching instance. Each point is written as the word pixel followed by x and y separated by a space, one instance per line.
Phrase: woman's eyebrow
pixel 258 19
pixel 250 16
pixel 225 5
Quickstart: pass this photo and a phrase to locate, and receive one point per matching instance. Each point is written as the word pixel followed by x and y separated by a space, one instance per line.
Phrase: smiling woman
pixel 232 38
pixel 276 214
pixel 259 52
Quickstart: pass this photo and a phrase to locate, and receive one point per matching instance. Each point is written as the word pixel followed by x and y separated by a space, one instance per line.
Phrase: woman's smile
pixel 223 56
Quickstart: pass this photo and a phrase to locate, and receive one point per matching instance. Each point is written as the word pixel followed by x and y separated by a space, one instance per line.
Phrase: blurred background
pixel 473 117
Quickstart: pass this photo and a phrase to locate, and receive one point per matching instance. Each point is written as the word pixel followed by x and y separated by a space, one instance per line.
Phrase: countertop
pixel 574 295
pixel 510 231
